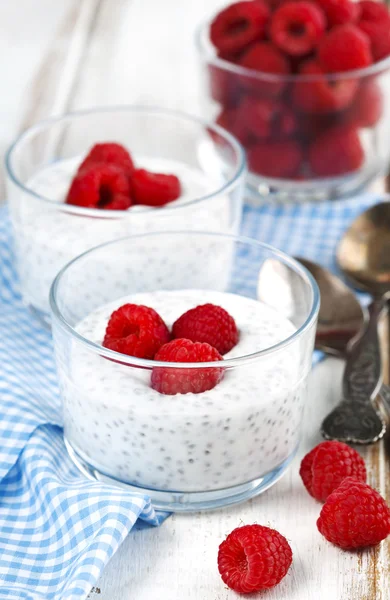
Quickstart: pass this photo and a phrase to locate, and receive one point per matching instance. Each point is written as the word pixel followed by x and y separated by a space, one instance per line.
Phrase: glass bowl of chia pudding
pixel 189 449
pixel 41 163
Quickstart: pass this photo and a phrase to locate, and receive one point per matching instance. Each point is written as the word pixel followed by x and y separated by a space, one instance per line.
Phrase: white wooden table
pixel 60 56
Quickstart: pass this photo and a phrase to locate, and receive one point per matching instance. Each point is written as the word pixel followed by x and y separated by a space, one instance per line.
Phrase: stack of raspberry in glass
pixel 299 83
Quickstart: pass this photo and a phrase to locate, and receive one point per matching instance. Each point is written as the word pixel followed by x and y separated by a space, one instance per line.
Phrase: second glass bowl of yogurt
pixel 188 451
pixel 209 162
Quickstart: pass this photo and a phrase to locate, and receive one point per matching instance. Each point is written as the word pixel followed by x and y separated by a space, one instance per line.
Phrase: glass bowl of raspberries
pixel 304 86
pixel 89 177
pixel 182 371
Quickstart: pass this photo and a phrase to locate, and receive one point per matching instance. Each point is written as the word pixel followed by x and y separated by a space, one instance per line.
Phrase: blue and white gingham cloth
pixel 57 529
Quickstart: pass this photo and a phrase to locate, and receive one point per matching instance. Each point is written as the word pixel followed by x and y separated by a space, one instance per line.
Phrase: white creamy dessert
pixel 242 429
pixel 47 237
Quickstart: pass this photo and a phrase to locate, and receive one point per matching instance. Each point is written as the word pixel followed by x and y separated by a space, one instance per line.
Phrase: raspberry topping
pixel 253 558
pixel 181 380
pixel 339 12
pixel 322 94
pixel 344 48
pixel 275 159
pixel 136 330
pixel 109 153
pixel 154 189
pixel 296 27
pixel 336 151
pixel 354 516
pixel 239 25
pixel 327 465
pixel 208 323
pixel 102 186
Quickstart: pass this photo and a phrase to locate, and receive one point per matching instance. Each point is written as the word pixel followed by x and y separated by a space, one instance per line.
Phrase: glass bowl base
pixel 172 501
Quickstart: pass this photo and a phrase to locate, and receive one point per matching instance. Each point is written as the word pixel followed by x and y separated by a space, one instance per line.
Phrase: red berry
pixel 109 153
pixel 238 25
pixel 265 59
pixel 297 27
pixel 339 12
pixel 263 118
pixel 367 107
pixel 154 189
pixel 208 323
pixel 379 36
pixel 253 558
pixel 136 330
pixel 278 159
pixel 336 151
pixel 230 120
pixel 321 94
pixel 354 516
pixel 104 186
pixel 374 11
pixel 344 48
pixel 327 465
pixel 171 380
pixel 224 86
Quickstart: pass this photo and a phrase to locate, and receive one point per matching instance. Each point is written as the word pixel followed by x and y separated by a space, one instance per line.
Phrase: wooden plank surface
pixel 81 53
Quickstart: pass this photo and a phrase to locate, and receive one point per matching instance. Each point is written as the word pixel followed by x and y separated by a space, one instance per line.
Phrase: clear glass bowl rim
pixel 239 151
pixel 228 363
pixel 202 34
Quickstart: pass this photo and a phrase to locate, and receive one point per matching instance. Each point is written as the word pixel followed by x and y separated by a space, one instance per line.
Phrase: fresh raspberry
pixel 238 25
pixel 173 380
pixel 297 27
pixel 264 118
pixel 339 12
pixel 354 516
pixel 224 86
pixel 373 11
pixel 136 330
pixel 321 94
pixel 367 107
pixel 344 48
pixel 327 465
pixel 208 323
pixel 108 153
pixel 230 119
pixel 154 189
pixel 379 36
pixel 253 558
pixel 278 159
pixel 336 151
pixel 102 186
pixel 264 58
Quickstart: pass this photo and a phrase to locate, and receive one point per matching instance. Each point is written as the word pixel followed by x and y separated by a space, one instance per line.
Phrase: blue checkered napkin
pixel 57 529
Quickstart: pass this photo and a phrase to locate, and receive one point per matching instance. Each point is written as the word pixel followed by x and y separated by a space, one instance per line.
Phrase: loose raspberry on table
pixel 171 380
pixel 109 153
pixel 154 189
pixel 336 152
pixel 253 558
pixel 297 27
pixel 344 48
pixel 367 107
pixel 354 516
pixel 238 25
pixel 264 58
pixel 379 36
pixel 327 465
pixel 339 12
pixel 322 94
pixel 208 323
pixel 278 159
pixel 103 186
pixel 136 330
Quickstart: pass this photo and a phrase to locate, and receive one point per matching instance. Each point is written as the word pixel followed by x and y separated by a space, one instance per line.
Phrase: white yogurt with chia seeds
pixel 242 429
pixel 47 238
